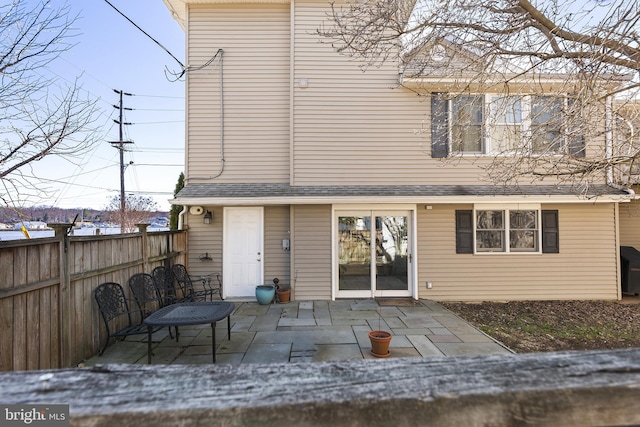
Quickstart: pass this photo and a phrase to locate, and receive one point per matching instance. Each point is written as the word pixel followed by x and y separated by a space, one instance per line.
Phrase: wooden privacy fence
pixel 48 316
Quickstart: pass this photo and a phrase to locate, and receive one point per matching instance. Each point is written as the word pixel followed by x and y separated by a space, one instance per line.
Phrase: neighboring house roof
pixel 256 193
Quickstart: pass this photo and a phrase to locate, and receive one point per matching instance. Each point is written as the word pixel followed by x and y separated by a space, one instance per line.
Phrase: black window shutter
pixel 464 232
pixel 550 232
pixel 439 126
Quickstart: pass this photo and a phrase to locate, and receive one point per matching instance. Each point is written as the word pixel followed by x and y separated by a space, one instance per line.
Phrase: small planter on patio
pixel 282 291
pixel 265 294
pixel 284 295
pixel 380 341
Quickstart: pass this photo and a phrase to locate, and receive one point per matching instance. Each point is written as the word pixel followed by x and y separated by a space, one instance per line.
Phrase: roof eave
pixel 324 200
pixel 523 84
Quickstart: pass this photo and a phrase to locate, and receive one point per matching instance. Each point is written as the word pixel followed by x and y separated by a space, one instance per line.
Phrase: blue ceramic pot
pixel 265 294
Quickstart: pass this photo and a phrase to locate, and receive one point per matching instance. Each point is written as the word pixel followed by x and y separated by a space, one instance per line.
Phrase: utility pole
pixel 120 146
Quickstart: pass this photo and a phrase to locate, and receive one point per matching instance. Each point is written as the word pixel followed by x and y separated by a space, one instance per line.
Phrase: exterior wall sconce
pixel 208 216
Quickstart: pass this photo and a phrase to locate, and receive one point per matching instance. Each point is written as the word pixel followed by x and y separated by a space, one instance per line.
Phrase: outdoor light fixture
pixel 208 216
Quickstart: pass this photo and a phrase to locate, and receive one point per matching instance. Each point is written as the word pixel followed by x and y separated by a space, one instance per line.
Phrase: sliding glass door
pixel 373 253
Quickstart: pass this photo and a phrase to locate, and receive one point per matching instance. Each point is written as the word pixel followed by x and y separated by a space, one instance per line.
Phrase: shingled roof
pixel 266 192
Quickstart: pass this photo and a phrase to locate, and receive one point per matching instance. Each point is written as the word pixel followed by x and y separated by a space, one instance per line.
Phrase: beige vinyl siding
pixel 355 127
pixel 350 127
pixel 276 260
pixel 255 39
pixel 311 249
pixel 203 239
pixel 585 268
pixel 207 238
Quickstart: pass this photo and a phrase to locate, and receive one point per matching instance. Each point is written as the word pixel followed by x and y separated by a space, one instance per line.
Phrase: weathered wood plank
pixel 6 269
pixel 570 388
pixel 23 289
pixel 6 336
pixel 46 322
pixel 19 310
pixel 55 350
pixel 33 330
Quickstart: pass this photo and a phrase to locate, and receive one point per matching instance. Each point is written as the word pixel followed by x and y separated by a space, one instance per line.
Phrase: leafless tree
pixel 579 59
pixel 138 210
pixel 39 117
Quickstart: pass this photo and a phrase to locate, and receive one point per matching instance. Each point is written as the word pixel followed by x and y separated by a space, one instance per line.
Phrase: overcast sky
pixel 111 53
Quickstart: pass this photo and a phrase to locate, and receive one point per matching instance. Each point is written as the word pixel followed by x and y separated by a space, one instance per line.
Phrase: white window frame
pixel 525 111
pixel 483 124
pixel 487 125
pixel 506 209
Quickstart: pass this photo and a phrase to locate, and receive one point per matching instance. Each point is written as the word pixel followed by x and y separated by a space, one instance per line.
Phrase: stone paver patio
pixel 311 331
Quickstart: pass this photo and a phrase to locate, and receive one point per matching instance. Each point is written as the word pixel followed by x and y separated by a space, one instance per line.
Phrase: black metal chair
pixel 118 317
pixel 185 281
pixel 145 292
pixel 164 283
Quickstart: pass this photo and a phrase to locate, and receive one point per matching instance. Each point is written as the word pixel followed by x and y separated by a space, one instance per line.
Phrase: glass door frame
pixel 372 211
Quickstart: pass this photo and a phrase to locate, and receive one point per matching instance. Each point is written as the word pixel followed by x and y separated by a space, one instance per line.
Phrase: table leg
pixel 213 340
pixel 149 332
pixel 229 327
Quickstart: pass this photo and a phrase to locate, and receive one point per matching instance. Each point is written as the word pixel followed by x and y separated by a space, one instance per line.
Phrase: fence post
pixel 145 248
pixel 64 294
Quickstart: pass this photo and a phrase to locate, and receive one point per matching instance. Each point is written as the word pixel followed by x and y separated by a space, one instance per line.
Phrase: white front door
pixel 243 251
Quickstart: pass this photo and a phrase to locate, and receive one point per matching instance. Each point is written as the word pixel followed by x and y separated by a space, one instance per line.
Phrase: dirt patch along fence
pixel 48 315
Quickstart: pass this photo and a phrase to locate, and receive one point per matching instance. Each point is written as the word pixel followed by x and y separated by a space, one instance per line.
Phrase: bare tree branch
pixel 38 117
pixel 138 209
pixel 581 53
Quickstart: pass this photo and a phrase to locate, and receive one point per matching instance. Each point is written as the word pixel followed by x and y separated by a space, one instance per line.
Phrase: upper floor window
pixel 466 124
pixel 505 128
pixel 546 124
pixel 493 124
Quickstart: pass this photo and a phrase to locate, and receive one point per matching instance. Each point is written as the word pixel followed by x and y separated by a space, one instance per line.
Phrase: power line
pixel 160 96
pixel 158 109
pixel 158 164
pixel 159 123
pixel 146 34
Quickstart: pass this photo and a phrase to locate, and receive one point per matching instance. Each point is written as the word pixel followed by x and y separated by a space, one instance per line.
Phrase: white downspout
pixel 181 217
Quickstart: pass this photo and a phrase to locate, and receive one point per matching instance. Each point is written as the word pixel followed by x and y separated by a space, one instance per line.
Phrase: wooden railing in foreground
pixel 48 316
pixel 555 389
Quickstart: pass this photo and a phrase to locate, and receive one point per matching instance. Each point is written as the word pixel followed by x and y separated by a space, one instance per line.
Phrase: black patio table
pixel 190 313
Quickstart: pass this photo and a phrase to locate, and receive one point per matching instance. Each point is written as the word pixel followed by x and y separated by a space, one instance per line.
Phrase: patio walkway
pixel 312 331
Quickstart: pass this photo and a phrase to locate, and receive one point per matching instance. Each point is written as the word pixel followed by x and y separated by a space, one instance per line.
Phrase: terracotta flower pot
pixel 380 343
pixel 284 296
